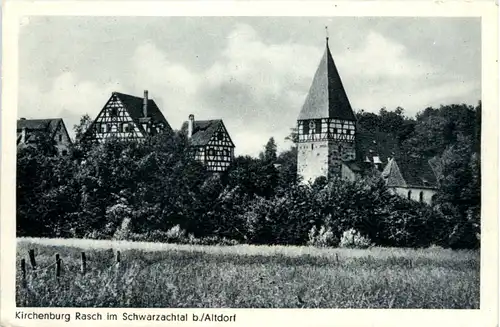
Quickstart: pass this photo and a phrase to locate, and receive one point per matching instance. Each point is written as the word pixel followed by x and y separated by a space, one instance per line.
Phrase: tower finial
pixel 326 32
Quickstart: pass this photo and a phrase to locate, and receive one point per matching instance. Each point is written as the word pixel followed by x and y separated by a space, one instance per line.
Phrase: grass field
pixel 243 276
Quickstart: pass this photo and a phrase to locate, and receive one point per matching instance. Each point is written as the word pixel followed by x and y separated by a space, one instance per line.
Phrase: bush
pixel 353 239
pixel 322 238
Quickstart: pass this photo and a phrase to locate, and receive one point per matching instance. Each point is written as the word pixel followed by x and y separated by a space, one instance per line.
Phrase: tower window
pixel 312 126
pixel 306 129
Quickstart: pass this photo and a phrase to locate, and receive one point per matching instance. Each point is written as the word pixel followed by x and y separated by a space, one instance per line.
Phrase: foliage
pixel 145 190
pixel 324 237
pixel 353 239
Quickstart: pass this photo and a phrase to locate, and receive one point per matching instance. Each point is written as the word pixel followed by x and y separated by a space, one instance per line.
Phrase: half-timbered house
pixel 210 143
pixel 127 117
pixel 30 130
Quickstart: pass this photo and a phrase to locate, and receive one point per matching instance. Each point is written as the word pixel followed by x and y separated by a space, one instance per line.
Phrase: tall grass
pixel 167 275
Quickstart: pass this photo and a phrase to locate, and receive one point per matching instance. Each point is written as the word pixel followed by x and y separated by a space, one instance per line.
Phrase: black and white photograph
pixel 329 162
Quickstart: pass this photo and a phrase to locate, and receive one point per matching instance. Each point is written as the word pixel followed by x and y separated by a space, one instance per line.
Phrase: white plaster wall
pixel 415 193
pixel 312 160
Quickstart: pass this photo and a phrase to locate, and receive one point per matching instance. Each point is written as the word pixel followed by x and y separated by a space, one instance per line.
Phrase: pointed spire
pixel 327 97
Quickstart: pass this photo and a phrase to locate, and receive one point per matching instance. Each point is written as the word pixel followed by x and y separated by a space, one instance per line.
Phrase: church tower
pixel 326 126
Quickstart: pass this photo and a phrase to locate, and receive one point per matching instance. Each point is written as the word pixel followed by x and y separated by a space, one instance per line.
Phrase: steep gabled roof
pixel 203 130
pixel 34 127
pixel 133 105
pixel 409 172
pixel 327 97
pixel 46 125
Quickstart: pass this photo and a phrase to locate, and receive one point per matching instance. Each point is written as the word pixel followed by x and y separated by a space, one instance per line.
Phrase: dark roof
pixel 409 172
pixel 38 124
pixel 34 127
pixel 133 105
pixel 327 97
pixel 203 130
pixel 369 143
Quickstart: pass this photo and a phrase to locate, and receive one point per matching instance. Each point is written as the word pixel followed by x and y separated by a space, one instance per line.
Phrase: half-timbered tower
pixel 326 127
pixel 210 143
pixel 30 130
pixel 127 117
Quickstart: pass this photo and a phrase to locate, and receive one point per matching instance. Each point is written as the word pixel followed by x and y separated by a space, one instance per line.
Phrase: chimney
pixel 145 104
pixel 190 125
pixel 23 135
pixel 22 118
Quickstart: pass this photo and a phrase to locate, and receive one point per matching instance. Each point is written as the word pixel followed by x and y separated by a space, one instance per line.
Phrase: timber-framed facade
pixel 127 117
pixel 210 143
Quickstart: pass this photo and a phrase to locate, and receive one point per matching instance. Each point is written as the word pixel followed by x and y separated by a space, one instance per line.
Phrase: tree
pixel 82 126
pixel 270 152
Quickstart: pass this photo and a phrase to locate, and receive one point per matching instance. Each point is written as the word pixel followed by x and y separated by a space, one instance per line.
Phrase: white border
pixel 485 316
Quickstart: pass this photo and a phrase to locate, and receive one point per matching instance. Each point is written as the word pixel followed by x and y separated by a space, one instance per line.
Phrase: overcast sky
pixel 254 73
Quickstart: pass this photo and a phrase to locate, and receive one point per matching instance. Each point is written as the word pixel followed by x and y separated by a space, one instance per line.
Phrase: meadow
pixel 245 276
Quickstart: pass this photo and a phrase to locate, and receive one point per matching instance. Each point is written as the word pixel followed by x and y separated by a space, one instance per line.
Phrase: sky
pixel 252 72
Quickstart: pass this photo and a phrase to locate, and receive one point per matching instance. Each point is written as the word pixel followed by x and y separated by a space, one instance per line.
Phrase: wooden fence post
pixel 23 271
pixel 31 253
pixel 58 265
pixel 84 263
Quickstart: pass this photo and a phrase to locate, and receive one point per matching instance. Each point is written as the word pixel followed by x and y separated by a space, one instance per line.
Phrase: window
pixel 306 128
pixel 126 127
pixel 113 112
pixel 220 136
pixel 60 138
pixel 210 152
pixel 421 196
pixel 312 126
pixel 103 128
pixel 108 127
pixel 409 195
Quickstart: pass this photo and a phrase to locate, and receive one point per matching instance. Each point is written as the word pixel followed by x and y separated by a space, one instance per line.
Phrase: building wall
pixel 415 193
pixel 324 158
pixel 63 142
pixel 348 174
pixel 312 160
pixel 338 152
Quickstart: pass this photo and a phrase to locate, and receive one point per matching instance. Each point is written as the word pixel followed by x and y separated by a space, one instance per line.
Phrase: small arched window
pixel 409 195
pixel 421 196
